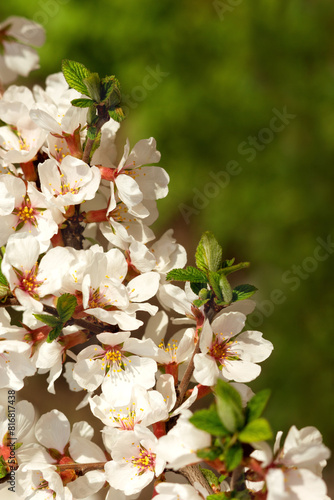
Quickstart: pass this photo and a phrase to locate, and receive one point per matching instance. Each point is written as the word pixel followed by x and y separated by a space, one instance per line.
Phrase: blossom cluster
pixel 79 262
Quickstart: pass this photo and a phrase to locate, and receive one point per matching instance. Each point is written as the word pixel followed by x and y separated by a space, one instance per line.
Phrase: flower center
pixel 221 349
pixel 28 281
pixel 26 214
pixel 98 299
pixel 171 349
pixel 128 420
pixel 145 461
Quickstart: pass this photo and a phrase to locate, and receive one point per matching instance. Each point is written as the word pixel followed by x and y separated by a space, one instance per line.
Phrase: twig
pixel 193 474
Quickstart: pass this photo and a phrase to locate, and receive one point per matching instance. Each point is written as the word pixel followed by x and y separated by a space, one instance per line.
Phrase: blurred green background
pixel 207 80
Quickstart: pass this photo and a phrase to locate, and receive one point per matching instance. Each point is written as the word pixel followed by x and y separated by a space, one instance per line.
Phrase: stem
pixel 103 118
pixel 186 378
pixel 193 474
pixel 84 323
pixel 82 468
pixel 238 479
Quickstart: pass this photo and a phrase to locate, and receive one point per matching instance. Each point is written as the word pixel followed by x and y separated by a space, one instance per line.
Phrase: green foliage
pixel 66 305
pixel 211 478
pixel 233 456
pixel 229 406
pixel 256 430
pixel 74 74
pixel 257 404
pixel 242 292
pixel 3 467
pixel 208 420
pixel 209 253
pixel 191 274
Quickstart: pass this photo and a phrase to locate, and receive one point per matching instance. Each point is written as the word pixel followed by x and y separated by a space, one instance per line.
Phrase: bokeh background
pixel 240 98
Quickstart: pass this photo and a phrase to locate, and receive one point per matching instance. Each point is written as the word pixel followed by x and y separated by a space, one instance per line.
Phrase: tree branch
pixel 193 474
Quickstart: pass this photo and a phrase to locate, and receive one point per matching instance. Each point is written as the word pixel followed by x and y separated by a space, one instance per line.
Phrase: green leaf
pixel 82 103
pixel 200 302
pixel 191 274
pixel 208 420
pixel 214 279
pixel 233 456
pixel 228 263
pixel 55 332
pixel 48 319
pixel 257 404
pixel 242 292
pixel 232 269
pixel 92 133
pixel 225 288
pixel 209 453
pixel 198 287
pixel 256 430
pixel 117 114
pixel 92 117
pixel 218 496
pixel 111 91
pixel 66 305
pixel 92 83
pixel 74 74
pixel 210 476
pixel 3 467
pixel 209 253
pixel 229 406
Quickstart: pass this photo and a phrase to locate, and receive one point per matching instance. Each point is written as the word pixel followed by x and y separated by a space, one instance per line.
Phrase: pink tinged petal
pixel 240 371
pixel 19 58
pixel 143 287
pixel 229 324
pixel 26 31
pixel 83 450
pixel 82 429
pixel 250 346
pixel 88 484
pixel 206 371
pixel 305 485
pixel 113 339
pixel 206 335
pixel 53 430
pixel 186 345
pixel 45 121
pixel 144 152
pixel 153 182
pixel 165 385
pixel 25 415
pixel 128 190
pixel 89 374
pixel 157 327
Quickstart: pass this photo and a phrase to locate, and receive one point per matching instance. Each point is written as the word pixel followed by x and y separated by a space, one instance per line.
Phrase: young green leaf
pixel 49 320
pixel 117 114
pixel 209 253
pixel 256 430
pixel 214 279
pixel 92 83
pixel 66 305
pixel 74 74
pixel 229 406
pixel 208 420
pixel 82 103
pixel 198 287
pixel 233 456
pixel 232 269
pixel 199 302
pixel 225 288
pixel 191 274
pixel 3 467
pixel 210 476
pixel 242 292
pixel 209 453
pixel 218 496
pixel 257 404
pixel 55 332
